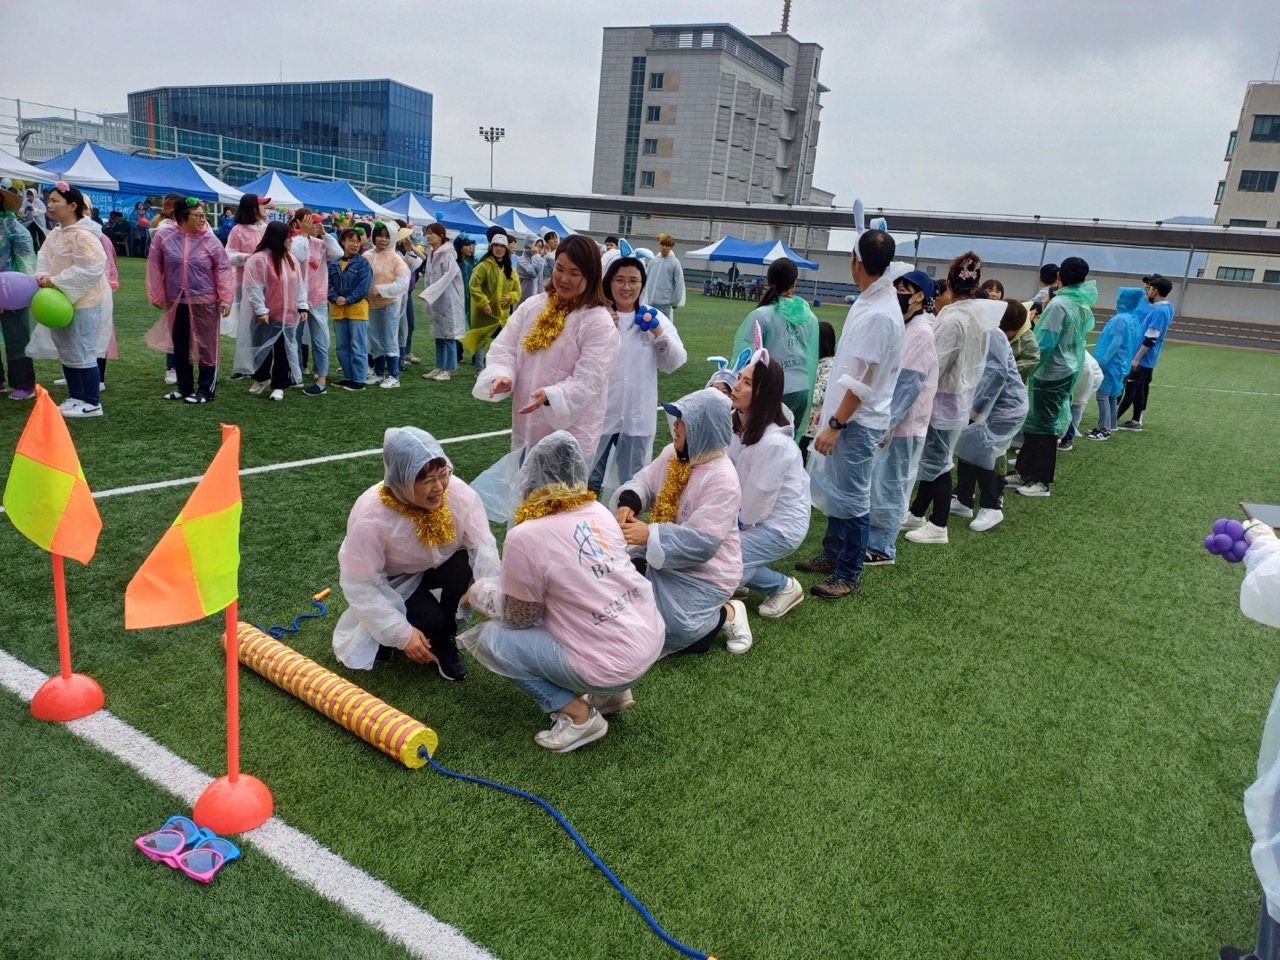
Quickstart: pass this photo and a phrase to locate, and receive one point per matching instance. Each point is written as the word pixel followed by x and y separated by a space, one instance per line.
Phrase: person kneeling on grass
pixel 774 517
pixel 420 531
pixel 690 549
pixel 572 622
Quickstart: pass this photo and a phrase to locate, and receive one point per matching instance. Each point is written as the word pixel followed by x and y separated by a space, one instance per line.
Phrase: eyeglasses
pixel 440 479
pixel 207 855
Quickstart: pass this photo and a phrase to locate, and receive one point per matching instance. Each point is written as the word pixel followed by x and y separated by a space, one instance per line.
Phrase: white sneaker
pixel 259 386
pixel 390 383
pixel 372 378
pixel 928 534
pixel 444 375
pixel 737 632
pixel 792 595
pixel 82 409
pixel 277 394
pixel 67 404
pixel 912 522
pixel 958 509
pixel 101 387
pixel 986 519
pixel 607 704
pixel 565 735
pixel 432 374
pixel 1034 490
pixel 60 382
pixel 1013 481
pixel 171 376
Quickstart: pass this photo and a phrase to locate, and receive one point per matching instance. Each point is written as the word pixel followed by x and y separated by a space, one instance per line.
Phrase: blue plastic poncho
pixel 1120 339
pixel 999 406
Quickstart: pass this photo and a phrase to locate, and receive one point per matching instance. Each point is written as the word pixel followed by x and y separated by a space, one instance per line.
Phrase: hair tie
pixel 62 186
pixel 192 203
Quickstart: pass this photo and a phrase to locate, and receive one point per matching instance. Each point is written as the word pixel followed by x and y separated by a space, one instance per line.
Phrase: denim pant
pixel 1077 411
pixel 447 353
pixel 535 662
pixel 1107 407
pixel 630 458
pixel 407 324
pixel 317 328
pixel 388 367
pixel 352 343
pixel 1268 946
pixel 846 540
pixel 83 384
pixel 761 546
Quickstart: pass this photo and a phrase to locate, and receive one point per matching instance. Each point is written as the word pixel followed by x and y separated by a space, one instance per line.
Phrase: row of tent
pixel 93 167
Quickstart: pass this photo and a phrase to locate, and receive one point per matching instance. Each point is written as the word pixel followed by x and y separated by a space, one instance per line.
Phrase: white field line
pixel 272 467
pixel 298 854
pixel 1243 393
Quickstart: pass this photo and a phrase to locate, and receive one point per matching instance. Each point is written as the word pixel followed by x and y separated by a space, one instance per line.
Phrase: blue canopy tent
pixel 336 195
pixel 92 165
pixel 733 250
pixel 521 223
pixel 412 206
pixel 458 215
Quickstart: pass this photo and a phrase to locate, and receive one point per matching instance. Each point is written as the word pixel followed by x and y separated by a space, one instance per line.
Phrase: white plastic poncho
pixel 999 406
pixel 695 563
pixel 775 487
pixel 73 258
pixel 632 407
pixel 1260 600
pixel 381 560
pixel 280 297
pixel 1088 382
pixel 445 294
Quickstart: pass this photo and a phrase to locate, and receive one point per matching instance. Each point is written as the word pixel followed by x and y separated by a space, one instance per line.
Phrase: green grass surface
pixel 1031 742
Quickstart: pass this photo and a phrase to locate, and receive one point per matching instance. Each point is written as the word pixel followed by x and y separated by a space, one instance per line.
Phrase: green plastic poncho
pixel 789 331
pixel 1061 335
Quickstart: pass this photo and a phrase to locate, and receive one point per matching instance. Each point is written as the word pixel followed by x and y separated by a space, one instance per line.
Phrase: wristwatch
pixel 835 424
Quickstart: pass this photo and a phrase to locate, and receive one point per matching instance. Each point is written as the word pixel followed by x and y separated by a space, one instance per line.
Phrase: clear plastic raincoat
pixel 73 258
pixel 390 283
pixel 242 243
pixel 445 294
pixel 192 269
pixel 381 560
pixel 999 406
pixel 789 331
pixel 632 407
pixel 775 487
pixel 695 563
pixel 279 296
pixel 1061 334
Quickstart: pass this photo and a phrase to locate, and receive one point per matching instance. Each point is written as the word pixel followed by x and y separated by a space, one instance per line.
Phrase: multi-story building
pixel 1249 196
pixel 43 138
pixel 706 112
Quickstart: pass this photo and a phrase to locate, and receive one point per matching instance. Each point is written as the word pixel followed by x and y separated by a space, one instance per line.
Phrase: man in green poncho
pixel 1060 333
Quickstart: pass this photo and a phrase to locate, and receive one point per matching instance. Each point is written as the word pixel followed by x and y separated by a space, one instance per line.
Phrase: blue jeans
pixel 534 661
pixel 630 459
pixel 761 546
pixel 406 331
pixel 83 384
pixel 317 328
pixel 846 540
pixel 352 338
pixel 447 354
pixel 1107 407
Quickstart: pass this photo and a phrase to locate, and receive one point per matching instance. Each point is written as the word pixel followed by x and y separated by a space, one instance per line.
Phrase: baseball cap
pixel 921 281
pixel 1163 284
pixel 672 409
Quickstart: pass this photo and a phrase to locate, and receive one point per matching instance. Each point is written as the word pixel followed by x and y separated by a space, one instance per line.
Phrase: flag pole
pixel 233 693
pixel 68 696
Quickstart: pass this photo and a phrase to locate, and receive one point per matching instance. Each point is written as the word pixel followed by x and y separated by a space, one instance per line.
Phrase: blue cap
pixel 921 281
pixel 672 409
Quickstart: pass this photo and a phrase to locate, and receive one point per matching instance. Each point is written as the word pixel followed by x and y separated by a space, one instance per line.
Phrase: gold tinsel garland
pixel 434 527
pixel 667 504
pixel 548 326
pixel 553 498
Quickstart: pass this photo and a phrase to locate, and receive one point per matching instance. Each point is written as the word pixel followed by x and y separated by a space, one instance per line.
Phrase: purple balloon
pixel 1222 542
pixel 16 290
pixel 1234 530
pixel 1237 552
pixel 1220 526
pixel 1208 543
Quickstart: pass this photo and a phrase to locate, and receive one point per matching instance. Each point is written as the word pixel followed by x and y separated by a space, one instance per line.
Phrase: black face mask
pixel 1151 298
pixel 904 302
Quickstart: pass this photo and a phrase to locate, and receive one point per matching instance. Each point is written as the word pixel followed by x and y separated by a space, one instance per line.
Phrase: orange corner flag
pixel 193 570
pixel 46 496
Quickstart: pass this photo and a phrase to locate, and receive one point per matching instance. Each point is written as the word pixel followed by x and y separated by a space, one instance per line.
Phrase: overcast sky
pixel 1096 108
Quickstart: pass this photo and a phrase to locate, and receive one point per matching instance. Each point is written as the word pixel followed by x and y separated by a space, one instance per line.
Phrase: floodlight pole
pixel 491 136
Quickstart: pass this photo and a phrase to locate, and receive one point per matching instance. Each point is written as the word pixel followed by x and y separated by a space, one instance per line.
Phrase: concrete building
pixel 1249 197
pixel 706 112
pixel 43 138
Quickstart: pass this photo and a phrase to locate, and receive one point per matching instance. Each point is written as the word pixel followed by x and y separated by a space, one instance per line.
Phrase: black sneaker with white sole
pixel 448 660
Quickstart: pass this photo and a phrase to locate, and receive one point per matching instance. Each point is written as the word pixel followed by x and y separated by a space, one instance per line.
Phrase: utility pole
pixel 491 136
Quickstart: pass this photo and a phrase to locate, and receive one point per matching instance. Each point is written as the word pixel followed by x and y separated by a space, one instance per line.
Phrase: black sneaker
pixel 199 397
pixel 314 390
pixel 1133 425
pixel 351 385
pixel 833 588
pixel 1065 444
pixel 819 564
pixel 448 660
pixel 238 376
pixel 1097 433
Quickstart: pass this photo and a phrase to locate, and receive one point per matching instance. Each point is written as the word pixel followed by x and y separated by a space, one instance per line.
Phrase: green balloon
pixel 51 307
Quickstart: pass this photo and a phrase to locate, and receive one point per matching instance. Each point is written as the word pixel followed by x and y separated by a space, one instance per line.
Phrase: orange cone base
pixel 70 699
pixel 226 807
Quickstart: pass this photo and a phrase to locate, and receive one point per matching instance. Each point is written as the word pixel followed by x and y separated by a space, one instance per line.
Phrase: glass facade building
pixel 365 129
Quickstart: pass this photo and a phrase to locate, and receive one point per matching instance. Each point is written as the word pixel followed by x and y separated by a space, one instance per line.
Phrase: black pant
pixel 1038 458
pixel 16 325
pixel 1137 386
pixel 437 619
pixel 937 492
pixel 276 367
pixel 182 323
pixel 967 476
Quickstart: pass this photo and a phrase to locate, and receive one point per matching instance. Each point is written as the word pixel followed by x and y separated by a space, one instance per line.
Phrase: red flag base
pixel 233 806
pixel 67 698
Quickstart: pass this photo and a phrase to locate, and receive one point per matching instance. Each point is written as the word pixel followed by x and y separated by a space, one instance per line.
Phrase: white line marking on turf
pixel 298 854
pixel 272 467
pixel 1244 393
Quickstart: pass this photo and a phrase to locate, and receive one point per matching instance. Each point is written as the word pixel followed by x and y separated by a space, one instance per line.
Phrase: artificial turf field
pixel 1031 742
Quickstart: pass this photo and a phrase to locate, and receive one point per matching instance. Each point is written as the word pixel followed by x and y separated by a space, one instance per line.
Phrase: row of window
pixel 1245 274
pixel 1258 181
pixel 1244 222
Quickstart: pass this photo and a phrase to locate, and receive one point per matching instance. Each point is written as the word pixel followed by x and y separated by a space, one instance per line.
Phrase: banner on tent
pixel 105 202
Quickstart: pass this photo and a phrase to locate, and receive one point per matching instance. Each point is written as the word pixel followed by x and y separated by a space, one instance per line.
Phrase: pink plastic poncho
pixel 314 254
pixel 919 357
pixel 113 281
pixel 190 268
pixel 241 244
pixel 280 296
pixel 573 371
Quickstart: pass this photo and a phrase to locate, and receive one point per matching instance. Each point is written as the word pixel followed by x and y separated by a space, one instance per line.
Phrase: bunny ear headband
pixel 860 223
pixel 753 354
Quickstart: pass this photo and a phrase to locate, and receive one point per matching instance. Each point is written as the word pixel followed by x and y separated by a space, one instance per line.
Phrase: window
pixel 651 149
pixel 655 81
pixel 1258 181
pixel 1242 222
pixel 1222 189
pixel 646 180
pixel 1271 276
pixel 1231 144
pixel 1244 274
pixel 1266 128
pixel 654 115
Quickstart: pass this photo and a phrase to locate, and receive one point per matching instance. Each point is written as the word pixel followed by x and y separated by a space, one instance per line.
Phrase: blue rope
pixel 648 917
pixel 278 633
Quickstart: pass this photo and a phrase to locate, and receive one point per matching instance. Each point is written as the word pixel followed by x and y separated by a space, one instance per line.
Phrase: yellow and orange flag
pixel 46 496
pixel 193 570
